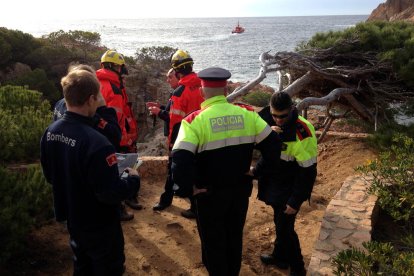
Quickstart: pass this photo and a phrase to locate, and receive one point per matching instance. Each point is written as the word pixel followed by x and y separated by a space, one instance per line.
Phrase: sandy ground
pixel 165 243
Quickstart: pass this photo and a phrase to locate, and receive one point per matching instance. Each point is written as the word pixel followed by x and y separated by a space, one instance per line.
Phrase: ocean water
pixel 208 40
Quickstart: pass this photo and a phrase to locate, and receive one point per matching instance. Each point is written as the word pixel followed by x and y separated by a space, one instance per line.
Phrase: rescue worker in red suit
pixel 112 88
pixel 185 99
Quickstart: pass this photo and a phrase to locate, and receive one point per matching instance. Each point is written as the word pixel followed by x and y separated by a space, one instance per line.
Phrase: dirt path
pixel 164 243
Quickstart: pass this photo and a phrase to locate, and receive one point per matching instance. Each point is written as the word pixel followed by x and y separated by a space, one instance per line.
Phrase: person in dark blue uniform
pixel 81 165
pixel 106 122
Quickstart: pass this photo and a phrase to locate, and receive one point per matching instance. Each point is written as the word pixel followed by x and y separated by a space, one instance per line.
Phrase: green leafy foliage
pixel 377 259
pixel 15 46
pixel 383 137
pixel 393 179
pixel 24 118
pixel 257 98
pixel 37 80
pixel 392 41
pixel 26 201
pixel 155 56
pixel 76 41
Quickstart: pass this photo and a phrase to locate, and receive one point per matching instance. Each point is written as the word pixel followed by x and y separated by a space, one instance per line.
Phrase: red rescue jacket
pixel 185 99
pixel 116 97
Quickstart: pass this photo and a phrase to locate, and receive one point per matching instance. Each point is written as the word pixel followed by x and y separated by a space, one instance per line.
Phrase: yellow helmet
pixel 113 57
pixel 181 58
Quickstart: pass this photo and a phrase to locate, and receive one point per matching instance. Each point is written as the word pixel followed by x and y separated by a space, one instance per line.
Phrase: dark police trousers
pixel 287 246
pixel 98 252
pixel 221 215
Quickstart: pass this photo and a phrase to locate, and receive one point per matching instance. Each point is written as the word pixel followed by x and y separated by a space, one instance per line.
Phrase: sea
pixel 208 40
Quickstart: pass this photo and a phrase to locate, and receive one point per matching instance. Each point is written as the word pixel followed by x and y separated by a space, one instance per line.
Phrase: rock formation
pixel 393 10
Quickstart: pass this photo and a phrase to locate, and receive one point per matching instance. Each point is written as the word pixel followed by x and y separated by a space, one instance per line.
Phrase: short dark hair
pixel 281 101
pixel 78 86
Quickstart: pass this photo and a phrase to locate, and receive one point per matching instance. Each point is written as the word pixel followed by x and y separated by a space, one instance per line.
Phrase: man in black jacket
pixel 287 188
pixel 81 165
pixel 106 122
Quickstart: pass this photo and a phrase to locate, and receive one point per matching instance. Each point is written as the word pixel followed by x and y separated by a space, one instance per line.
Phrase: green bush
pixel 392 41
pixel 257 98
pixel 154 56
pixel 26 201
pixel 37 80
pixel 24 118
pixel 377 259
pixel 392 181
pixel 15 46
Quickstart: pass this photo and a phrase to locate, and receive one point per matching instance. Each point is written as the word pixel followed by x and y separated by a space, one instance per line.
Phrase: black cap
pixel 214 74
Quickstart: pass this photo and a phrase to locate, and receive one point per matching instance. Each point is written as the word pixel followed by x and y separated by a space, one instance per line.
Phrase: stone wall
pixel 347 222
pixel 153 167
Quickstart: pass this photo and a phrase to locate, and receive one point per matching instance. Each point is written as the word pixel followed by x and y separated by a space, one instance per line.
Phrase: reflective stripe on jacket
pixel 219 139
pixel 116 97
pixel 185 99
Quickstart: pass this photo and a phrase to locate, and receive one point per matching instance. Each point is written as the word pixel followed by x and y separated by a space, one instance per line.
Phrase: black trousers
pixel 98 252
pixel 287 246
pixel 168 194
pixel 221 215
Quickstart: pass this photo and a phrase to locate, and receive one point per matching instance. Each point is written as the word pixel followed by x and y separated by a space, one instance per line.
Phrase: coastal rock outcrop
pixel 393 10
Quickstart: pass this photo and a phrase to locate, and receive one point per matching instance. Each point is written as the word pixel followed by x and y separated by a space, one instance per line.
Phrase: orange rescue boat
pixel 238 29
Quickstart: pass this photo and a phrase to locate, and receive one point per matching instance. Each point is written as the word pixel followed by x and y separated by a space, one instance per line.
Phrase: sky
pixel 129 9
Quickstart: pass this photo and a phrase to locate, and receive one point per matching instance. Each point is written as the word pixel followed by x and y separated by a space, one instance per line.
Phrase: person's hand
pixel 289 210
pixel 277 129
pixel 101 100
pixel 149 104
pixel 250 172
pixel 131 171
pixel 154 110
pixel 197 191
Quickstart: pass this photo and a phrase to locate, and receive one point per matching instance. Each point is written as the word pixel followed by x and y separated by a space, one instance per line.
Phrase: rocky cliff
pixel 393 10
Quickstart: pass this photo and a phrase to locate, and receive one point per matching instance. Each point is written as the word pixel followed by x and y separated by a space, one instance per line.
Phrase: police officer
pixel 185 98
pixel 211 159
pixel 81 165
pixel 293 182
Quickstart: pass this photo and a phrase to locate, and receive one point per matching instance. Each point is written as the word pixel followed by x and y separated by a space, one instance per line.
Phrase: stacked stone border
pixel 347 222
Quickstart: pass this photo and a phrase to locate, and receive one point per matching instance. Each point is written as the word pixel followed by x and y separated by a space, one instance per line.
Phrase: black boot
pixel 125 216
pixel 269 259
pixel 133 203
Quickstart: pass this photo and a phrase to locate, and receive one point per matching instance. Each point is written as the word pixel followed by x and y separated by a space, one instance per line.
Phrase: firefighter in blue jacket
pixel 211 160
pixel 81 165
pixel 105 122
pixel 292 184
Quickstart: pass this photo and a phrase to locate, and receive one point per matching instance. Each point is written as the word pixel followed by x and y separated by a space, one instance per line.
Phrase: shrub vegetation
pixel 26 201
pixel 393 183
pixel 257 98
pixel 24 118
pixel 392 41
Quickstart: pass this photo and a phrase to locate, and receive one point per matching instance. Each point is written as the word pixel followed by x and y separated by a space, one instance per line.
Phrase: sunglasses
pixel 280 116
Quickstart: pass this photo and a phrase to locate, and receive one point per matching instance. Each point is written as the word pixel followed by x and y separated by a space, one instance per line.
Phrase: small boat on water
pixel 238 29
